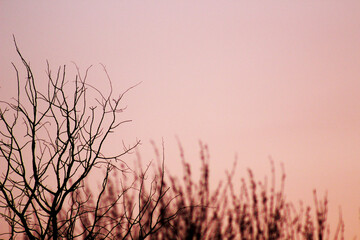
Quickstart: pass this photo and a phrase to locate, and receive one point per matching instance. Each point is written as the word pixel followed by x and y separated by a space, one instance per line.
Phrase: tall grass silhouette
pixel 158 205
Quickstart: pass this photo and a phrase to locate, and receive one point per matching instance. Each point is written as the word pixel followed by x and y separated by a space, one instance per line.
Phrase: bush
pixel 166 207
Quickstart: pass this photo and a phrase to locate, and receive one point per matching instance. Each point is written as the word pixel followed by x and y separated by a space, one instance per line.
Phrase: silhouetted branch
pixel 50 142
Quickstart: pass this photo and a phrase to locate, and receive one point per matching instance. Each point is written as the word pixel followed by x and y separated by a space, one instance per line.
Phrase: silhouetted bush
pixel 162 206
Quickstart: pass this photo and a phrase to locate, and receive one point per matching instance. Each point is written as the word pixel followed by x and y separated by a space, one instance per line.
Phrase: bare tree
pixel 50 142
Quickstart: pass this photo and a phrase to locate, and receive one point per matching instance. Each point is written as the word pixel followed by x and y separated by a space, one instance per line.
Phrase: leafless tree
pixel 50 142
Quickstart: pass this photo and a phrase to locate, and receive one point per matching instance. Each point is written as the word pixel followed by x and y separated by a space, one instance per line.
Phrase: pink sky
pixel 253 78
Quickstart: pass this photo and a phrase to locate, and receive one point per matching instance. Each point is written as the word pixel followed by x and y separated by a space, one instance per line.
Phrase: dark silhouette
pixel 51 142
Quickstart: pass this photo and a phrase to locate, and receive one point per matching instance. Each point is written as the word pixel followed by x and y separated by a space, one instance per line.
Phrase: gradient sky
pixel 249 78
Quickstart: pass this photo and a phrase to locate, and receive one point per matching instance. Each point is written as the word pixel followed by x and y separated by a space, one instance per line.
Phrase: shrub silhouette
pixel 173 208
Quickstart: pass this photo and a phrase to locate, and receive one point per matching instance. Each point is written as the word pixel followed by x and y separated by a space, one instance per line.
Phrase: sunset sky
pixel 251 79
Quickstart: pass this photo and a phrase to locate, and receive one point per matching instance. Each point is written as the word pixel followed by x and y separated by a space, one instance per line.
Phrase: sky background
pixel 251 79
